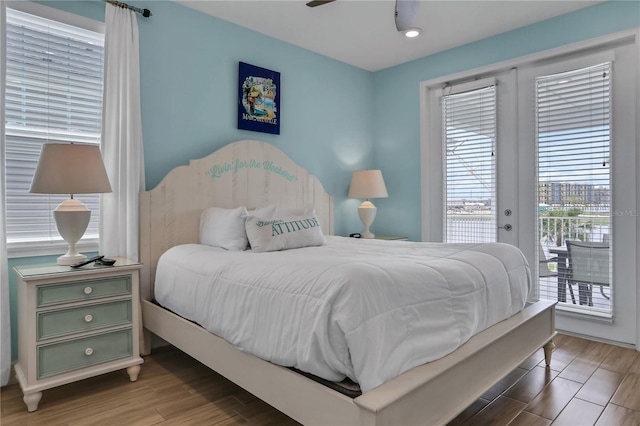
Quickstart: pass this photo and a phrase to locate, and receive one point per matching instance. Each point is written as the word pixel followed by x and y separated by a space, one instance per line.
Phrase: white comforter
pixel 366 309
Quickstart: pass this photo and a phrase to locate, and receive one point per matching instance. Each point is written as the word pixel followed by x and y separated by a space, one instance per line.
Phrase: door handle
pixel 508 226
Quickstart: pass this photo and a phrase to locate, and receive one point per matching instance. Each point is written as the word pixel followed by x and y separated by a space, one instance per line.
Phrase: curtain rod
pixel 144 12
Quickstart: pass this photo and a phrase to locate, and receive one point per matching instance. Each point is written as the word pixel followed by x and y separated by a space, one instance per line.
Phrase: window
pixel 573 136
pixel 54 79
pixel 469 136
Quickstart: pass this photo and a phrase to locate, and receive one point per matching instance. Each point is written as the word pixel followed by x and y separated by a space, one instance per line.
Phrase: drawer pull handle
pixel 88 351
pixel 88 290
pixel 88 318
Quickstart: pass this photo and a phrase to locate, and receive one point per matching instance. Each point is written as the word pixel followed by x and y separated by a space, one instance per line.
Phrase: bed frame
pixel 256 174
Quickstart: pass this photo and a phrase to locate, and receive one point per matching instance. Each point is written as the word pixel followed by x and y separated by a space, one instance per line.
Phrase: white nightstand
pixel 76 323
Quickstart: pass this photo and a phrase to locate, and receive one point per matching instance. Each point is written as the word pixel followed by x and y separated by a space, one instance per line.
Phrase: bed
pixel 254 173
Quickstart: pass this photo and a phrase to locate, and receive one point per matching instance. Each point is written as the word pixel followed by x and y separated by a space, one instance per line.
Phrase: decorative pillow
pixel 224 228
pixel 283 232
pixel 267 211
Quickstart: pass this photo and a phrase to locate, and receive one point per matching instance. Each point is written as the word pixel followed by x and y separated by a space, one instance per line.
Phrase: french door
pixel 472 134
pixel 555 163
pixel 578 116
pixel 573 137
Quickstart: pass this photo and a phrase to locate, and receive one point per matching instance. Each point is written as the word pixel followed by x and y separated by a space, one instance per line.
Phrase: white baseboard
pixel 598 339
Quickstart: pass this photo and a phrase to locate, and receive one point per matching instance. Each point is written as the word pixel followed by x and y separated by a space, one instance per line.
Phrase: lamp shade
pixel 367 184
pixel 70 169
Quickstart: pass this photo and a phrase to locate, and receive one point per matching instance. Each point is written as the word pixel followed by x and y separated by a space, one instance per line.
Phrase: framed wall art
pixel 258 99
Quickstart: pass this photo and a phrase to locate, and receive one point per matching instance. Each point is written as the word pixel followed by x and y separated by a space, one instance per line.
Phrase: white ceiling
pixel 363 33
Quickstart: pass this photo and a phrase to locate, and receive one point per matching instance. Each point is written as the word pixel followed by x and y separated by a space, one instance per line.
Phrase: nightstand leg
pixel 32 400
pixel 133 372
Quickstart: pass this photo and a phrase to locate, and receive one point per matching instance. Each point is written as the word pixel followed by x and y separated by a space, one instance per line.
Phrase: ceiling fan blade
pixel 314 3
pixel 405 13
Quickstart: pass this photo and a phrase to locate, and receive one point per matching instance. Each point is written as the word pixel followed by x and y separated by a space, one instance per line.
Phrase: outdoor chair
pixel 588 265
pixel 544 271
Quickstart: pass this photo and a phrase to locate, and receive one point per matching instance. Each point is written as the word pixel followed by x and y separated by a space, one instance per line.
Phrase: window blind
pixel 53 94
pixel 469 139
pixel 573 133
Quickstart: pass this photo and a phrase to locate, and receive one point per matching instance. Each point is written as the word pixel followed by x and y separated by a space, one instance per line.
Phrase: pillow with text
pixel 283 232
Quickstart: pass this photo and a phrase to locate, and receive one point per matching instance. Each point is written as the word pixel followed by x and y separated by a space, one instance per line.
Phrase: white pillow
pixel 224 228
pixel 283 232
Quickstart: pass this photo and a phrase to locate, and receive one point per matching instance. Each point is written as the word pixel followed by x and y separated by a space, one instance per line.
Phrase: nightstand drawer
pixel 48 295
pixel 82 318
pixel 58 358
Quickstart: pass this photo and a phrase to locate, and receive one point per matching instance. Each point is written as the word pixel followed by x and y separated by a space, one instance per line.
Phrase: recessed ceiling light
pixel 412 32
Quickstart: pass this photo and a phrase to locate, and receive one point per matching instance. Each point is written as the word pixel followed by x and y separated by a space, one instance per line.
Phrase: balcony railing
pixel 555 230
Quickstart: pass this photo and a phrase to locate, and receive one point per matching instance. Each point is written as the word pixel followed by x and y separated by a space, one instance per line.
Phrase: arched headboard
pixel 246 173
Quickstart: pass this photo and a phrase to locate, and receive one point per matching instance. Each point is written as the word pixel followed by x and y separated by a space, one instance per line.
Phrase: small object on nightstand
pixel 105 262
pixel 86 262
pixel 355 235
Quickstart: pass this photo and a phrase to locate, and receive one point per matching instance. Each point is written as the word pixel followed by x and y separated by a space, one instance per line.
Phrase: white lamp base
pixel 72 218
pixel 367 212
pixel 70 259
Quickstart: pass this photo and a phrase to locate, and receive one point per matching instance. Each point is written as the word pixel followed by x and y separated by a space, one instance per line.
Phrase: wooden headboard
pixel 244 173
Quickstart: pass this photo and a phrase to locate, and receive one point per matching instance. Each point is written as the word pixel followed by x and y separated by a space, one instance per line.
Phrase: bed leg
pixel 145 347
pixel 548 348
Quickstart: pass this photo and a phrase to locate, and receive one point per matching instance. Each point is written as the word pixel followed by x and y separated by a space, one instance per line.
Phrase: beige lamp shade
pixel 367 184
pixel 70 169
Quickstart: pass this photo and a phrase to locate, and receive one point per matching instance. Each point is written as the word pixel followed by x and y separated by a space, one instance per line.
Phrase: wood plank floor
pixel 589 383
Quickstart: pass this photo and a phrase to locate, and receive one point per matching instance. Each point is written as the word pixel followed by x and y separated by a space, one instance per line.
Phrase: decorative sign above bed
pixel 258 99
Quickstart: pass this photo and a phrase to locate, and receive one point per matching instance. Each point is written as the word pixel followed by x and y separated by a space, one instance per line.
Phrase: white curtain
pixel 121 135
pixel 5 326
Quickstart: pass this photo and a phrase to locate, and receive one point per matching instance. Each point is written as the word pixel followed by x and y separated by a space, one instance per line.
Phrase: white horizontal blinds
pixel 574 182
pixel 53 94
pixel 469 139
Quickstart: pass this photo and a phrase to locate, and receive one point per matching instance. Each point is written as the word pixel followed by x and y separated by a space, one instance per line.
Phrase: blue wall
pixel 189 67
pixel 397 123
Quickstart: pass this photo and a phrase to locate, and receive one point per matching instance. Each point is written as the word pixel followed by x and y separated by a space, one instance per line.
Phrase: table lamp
pixel 367 184
pixel 70 168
